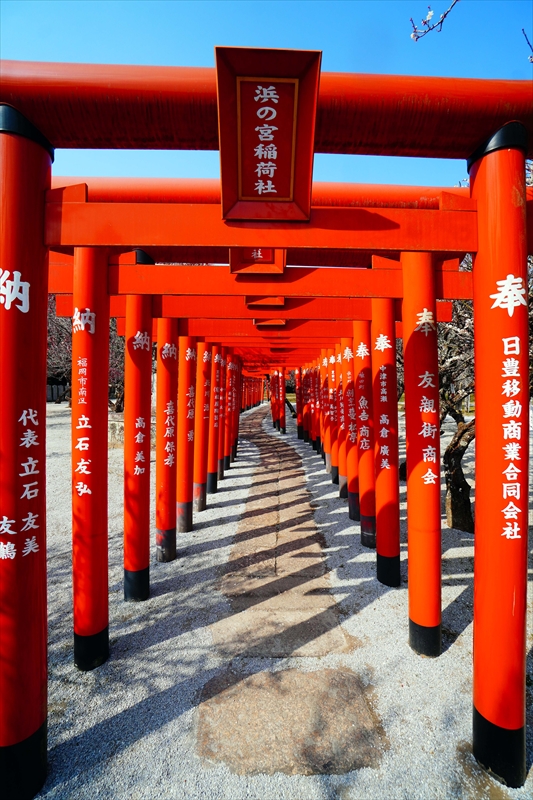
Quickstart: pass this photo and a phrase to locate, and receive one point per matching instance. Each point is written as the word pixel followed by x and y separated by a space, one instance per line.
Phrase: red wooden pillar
pixel 90 366
pixel 201 427
pixel 236 407
pixel 165 446
pixel 244 395
pixel 298 376
pixel 384 384
pixel 274 404
pixel 341 428
pixel 25 162
pixel 281 387
pixel 333 424
pixel 222 412
pixel 312 406
pixel 423 452
pixel 306 388
pixel 317 408
pixel 137 423
pixel 365 431
pixel 502 448
pixel 214 421
pixel 230 398
pixel 325 437
pixel 185 439
pixel 350 422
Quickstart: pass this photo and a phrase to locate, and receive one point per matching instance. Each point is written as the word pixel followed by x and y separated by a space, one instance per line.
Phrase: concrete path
pixel 278 588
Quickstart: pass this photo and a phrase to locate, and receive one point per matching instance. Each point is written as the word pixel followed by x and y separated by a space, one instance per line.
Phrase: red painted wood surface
pixel 175 108
pixel 90 364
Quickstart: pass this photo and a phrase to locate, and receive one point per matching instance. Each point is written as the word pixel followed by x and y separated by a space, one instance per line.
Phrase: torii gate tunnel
pixel 321 279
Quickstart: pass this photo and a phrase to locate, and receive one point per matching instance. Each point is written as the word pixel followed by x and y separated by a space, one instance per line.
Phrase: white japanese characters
pixel 350 417
pixel 384 428
pixel 363 402
pixel 83 320
pixel 426 322
pixel 427 404
pixel 14 291
pixel 510 294
pixel 169 434
pixel 169 350
pixel 28 467
pixel 141 341
pixel 267 98
pixel 511 429
pixel 382 343
pixel 140 436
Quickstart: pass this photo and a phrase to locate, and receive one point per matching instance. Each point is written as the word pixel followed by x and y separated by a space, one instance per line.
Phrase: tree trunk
pixel 458 506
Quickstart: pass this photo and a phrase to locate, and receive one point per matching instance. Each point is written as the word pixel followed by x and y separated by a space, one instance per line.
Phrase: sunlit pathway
pixel 268 661
pixel 278 587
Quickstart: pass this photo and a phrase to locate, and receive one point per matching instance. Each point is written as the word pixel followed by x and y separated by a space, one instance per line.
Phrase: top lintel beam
pixel 175 108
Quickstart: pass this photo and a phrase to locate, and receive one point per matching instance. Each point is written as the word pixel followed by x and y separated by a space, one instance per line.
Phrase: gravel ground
pixel 128 729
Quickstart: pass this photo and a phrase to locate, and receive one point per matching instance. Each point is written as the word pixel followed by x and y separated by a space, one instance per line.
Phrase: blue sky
pixel 480 39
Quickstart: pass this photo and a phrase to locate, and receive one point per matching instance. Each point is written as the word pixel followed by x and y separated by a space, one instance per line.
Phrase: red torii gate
pixel 482 111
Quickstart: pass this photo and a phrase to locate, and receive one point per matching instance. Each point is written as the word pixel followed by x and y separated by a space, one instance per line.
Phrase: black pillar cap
pixel 23 766
pixel 137 584
pixel 426 641
pixel 388 570
pixel 513 134
pixel 12 121
pixel 91 651
pixel 500 751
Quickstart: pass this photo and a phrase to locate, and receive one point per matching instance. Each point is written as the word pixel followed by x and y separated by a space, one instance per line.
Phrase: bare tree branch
pixel 530 57
pixel 429 26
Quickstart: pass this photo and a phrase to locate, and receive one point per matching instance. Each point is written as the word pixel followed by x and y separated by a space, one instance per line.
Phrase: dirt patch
pixel 299 723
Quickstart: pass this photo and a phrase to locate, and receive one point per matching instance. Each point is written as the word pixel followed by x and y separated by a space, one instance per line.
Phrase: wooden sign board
pixel 257 260
pixel 266 120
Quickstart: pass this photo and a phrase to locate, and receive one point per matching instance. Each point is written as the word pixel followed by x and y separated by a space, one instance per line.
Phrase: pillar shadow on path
pixel 279 605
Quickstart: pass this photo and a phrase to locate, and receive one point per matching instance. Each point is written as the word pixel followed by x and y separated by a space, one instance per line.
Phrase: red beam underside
pixel 200 225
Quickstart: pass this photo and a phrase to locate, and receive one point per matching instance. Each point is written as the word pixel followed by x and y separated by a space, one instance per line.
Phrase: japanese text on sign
pixel 267 135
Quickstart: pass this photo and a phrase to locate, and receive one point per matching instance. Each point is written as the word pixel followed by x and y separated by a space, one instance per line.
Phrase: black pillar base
pixel 335 475
pixel 91 651
pixel 300 431
pixel 368 531
pixel 221 469
pixel 165 544
pixel 199 496
pixel 184 517
pixel 227 462
pixel 212 482
pixel 283 429
pixel 343 486
pixel 388 570
pixel 137 584
pixel 502 752
pixel 425 641
pixel 354 511
pixel 306 436
pixel 23 766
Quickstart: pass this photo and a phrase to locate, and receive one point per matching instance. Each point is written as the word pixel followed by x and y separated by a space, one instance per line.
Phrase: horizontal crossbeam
pixel 213 308
pixel 196 225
